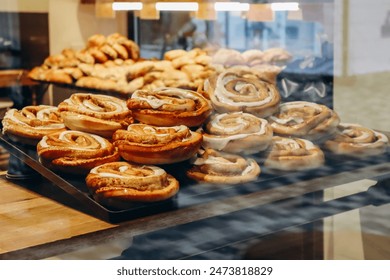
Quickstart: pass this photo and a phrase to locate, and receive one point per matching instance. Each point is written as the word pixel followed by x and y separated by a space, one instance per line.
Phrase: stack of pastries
pixel 225 130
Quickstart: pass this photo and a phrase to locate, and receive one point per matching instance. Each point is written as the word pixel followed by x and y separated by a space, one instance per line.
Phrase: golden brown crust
pixel 223 168
pixel 145 144
pixel 356 141
pixel 118 183
pixel 31 123
pixel 169 107
pixel 241 90
pixel 95 113
pixel 237 132
pixel 75 152
pixel 307 120
pixel 291 154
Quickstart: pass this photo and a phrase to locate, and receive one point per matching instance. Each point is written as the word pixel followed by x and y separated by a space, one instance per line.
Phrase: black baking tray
pixel 191 193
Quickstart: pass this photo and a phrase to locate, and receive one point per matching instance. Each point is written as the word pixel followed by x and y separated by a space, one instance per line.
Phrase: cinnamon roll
pixel 241 90
pixel 31 123
pixel 292 154
pixel 95 113
pixel 75 152
pixel 307 120
pixel 356 141
pixel 223 168
pixel 237 133
pixel 146 144
pixel 120 183
pixel 169 107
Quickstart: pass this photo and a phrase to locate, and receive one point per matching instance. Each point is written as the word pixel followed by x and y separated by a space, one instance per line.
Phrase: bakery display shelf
pixel 195 194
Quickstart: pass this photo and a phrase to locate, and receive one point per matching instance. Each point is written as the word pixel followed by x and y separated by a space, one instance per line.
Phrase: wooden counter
pixel 28 219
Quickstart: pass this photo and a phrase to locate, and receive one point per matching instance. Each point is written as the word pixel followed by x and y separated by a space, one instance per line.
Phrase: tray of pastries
pixel 168 147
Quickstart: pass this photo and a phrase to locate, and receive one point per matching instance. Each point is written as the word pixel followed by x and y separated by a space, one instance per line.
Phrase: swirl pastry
pixel 239 90
pixel 237 133
pixel 169 107
pixel 223 168
pixel 293 154
pixel 118 183
pixel 31 123
pixel 75 152
pixel 146 144
pixel 306 120
pixel 357 141
pixel 95 113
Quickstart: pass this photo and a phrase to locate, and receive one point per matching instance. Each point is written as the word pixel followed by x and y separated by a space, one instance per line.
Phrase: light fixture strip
pixel 231 7
pixel 285 6
pixel 127 6
pixel 177 6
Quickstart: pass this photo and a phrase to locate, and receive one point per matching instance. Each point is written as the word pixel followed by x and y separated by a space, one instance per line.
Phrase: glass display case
pixel 315 52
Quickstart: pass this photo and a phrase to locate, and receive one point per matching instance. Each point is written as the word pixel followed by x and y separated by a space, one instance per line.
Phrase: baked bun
pixel 31 123
pixel 292 154
pixel 356 141
pixel 253 57
pixel 237 132
pixel 227 58
pixel 146 144
pixel 241 90
pixel 307 120
pixel 75 152
pixel 222 168
pixel 95 113
pixel 119 184
pixel 169 107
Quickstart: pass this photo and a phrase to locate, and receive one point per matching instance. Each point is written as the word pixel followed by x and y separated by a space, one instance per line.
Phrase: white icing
pixel 294 144
pixel 292 105
pixel 155 102
pixel 211 160
pixel 11 115
pixel 62 137
pixel 157 171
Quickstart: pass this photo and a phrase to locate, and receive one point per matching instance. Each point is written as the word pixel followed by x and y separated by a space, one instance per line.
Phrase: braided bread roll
pixel 120 183
pixel 169 107
pixel 223 168
pixel 306 120
pixel 240 90
pixel 95 113
pixel 237 132
pixel 31 123
pixel 292 154
pixel 146 144
pixel 356 141
pixel 75 152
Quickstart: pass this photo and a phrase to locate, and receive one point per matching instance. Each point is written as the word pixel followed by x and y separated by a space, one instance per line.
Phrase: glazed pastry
pixel 228 58
pixel 292 154
pixel 146 144
pixel 241 90
pixel 277 56
pixel 237 132
pixel 75 152
pixel 31 123
pixel 356 141
pixel 253 57
pixel 222 168
pixel 95 113
pixel 307 120
pixel 169 107
pixel 119 184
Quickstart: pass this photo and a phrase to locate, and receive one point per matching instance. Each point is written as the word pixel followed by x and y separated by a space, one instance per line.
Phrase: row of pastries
pixel 121 145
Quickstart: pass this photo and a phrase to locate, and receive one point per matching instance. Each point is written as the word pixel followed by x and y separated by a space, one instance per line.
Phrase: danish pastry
pixel 119 184
pixel 146 144
pixel 95 113
pixel 75 152
pixel 241 90
pixel 307 120
pixel 237 132
pixel 31 123
pixel 293 154
pixel 222 168
pixel 169 107
pixel 356 141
